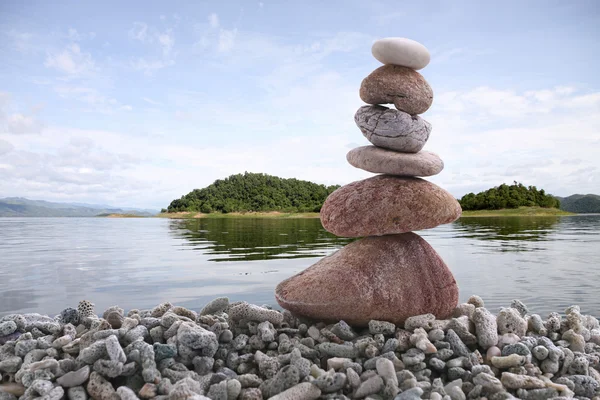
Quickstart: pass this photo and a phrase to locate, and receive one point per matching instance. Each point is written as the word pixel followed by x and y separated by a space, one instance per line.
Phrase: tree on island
pixel 505 196
pixel 254 192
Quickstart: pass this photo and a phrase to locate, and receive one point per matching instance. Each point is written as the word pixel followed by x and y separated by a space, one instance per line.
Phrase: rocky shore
pixel 243 351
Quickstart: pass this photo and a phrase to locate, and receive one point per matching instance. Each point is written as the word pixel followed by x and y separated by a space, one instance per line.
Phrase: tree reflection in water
pixel 249 239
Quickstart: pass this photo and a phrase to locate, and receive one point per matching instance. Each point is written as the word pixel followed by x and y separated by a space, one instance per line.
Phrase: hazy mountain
pixel 22 207
pixel 580 203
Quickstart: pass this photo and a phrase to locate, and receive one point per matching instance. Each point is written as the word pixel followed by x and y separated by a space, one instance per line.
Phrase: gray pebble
pixel 410 394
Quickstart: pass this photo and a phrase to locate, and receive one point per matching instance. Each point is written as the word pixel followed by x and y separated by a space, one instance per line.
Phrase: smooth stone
pixel 404 87
pixel 392 129
pixel 382 161
pixel 387 278
pixel 386 205
pixel 401 51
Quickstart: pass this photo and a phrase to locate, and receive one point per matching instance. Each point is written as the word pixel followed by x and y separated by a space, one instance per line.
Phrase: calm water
pixel 47 264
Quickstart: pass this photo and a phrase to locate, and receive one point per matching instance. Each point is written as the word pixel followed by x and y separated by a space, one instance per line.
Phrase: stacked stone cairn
pixel 391 273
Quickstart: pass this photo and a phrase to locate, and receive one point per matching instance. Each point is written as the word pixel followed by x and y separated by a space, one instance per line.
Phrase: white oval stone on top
pixel 401 51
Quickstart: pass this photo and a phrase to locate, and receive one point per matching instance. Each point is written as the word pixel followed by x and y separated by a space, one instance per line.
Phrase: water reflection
pixel 250 239
pixel 508 233
pixel 47 264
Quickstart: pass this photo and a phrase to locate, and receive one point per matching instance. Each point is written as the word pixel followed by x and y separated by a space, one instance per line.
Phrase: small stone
pixel 485 328
pixel 99 388
pixel 375 327
pixel 505 362
pixel 517 348
pixel 114 349
pixel 338 350
pixel 514 381
pixel 70 316
pixel 343 331
pixel 126 393
pixel 476 301
pixel 115 319
pixel 161 309
pixel 385 369
pixel 302 391
pixel 252 312
pixel 85 309
pixel 401 51
pixel 404 87
pixel 394 130
pixel 7 328
pixel 148 391
pixel 520 307
pixel 509 320
pixel 215 306
pixel 410 394
pixel 540 352
pixel 95 351
pixel 77 393
pixel 371 386
pixel 457 345
pixel 251 394
pixel 330 382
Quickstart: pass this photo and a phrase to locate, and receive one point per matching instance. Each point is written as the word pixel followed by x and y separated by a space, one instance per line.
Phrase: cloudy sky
pixel 136 103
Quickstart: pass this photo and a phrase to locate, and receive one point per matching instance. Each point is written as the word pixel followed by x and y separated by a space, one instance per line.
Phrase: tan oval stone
pixel 386 205
pixel 383 161
pixel 387 278
pixel 404 87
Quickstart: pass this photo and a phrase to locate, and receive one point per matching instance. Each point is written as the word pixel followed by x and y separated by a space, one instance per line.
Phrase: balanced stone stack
pixel 391 273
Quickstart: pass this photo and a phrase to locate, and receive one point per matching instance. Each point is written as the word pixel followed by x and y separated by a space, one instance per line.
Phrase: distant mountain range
pixel 580 203
pixel 22 207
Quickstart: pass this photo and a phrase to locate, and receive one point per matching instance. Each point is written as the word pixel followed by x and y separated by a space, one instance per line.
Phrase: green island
pixel 516 200
pixel 255 195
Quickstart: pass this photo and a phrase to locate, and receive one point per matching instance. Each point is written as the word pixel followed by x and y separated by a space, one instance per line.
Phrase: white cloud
pixel 150 101
pixel 15 122
pixel 20 124
pixel 213 20
pixel 150 66
pixel 5 147
pixel 167 41
pixel 73 34
pixel 139 31
pixel 261 4
pixel 488 136
pixel 226 40
pixel 92 98
pixel 71 61
pixel 21 41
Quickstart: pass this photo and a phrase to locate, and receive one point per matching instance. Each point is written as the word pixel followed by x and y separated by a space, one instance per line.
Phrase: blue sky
pixel 136 103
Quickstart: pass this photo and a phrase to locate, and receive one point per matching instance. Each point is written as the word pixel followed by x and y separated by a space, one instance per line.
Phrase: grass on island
pixel 117 215
pixel 518 212
pixel 270 214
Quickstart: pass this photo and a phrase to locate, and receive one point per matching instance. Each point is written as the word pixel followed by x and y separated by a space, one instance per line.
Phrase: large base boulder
pixel 386 278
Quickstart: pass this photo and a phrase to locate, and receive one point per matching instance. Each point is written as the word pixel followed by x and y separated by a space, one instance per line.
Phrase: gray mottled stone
pixel 392 129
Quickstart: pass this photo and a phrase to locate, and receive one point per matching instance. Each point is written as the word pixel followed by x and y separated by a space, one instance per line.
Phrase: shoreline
pixel 518 212
pixel 244 351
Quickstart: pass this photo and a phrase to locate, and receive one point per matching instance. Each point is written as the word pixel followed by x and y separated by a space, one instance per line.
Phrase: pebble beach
pixel 242 351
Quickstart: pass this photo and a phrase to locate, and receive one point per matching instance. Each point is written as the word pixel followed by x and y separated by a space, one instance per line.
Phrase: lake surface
pixel 48 264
